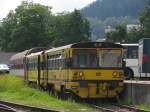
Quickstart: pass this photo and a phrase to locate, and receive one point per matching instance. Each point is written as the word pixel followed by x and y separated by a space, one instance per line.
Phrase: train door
pixel 67 66
pixel 39 71
pixel 25 66
pixel 64 70
pixel 45 70
pixel 26 69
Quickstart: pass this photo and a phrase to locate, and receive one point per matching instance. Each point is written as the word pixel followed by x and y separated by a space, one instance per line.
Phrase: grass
pixel 14 89
pixel 144 106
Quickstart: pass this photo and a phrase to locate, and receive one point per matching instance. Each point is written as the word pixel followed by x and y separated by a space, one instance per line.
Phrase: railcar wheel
pixel 51 89
pixel 63 92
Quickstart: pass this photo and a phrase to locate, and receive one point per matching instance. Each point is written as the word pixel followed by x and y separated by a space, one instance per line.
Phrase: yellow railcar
pixel 35 72
pixel 88 70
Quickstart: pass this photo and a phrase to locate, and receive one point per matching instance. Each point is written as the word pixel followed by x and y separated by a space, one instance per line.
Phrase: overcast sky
pixel 58 5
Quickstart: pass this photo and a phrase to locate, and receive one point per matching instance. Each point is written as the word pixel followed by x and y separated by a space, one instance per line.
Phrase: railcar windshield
pixel 110 58
pixel 97 59
pixel 85 58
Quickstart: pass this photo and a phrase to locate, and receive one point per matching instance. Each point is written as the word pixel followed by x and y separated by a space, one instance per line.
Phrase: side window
pixel 56 61
pixel 50 62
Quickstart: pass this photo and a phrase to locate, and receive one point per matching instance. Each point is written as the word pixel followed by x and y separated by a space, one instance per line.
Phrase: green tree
pixel 32 25
pixel 7 27
pixel 71 28
pixel 27 27
pixel 119 35
pixel 145 21
pixel 79 28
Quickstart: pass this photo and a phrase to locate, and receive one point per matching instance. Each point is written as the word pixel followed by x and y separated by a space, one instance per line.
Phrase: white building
pixel 109 29
pixel 131 27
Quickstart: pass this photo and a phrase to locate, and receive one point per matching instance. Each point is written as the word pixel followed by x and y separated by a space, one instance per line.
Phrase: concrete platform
pixel 137 92
pixel 136 82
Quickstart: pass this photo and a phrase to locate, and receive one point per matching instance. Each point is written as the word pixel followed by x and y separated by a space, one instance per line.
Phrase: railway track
pixel 7 108
pixel 14 107
pixel 117 108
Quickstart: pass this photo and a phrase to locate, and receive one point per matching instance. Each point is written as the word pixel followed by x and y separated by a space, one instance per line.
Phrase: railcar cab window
pixel 110 58
pixel 85 58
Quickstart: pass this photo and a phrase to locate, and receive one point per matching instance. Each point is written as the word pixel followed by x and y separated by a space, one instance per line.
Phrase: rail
pixel 117 108
pixel 14 107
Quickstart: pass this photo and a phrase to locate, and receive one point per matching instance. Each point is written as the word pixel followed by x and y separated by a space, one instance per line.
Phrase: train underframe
pixel 83 89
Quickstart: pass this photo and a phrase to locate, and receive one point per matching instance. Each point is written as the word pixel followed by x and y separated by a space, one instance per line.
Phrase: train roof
pixel 18 58
pixel 130 44
pixel 18 55
pixel 88 45
pixel 58 48
pixel 35 54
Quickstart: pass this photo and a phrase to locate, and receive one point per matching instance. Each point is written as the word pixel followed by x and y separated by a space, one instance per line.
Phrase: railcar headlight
pixel 115 74
pixel 78 75
pixel 81 75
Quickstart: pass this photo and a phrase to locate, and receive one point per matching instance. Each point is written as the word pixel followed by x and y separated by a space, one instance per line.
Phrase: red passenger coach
pixel 17 61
